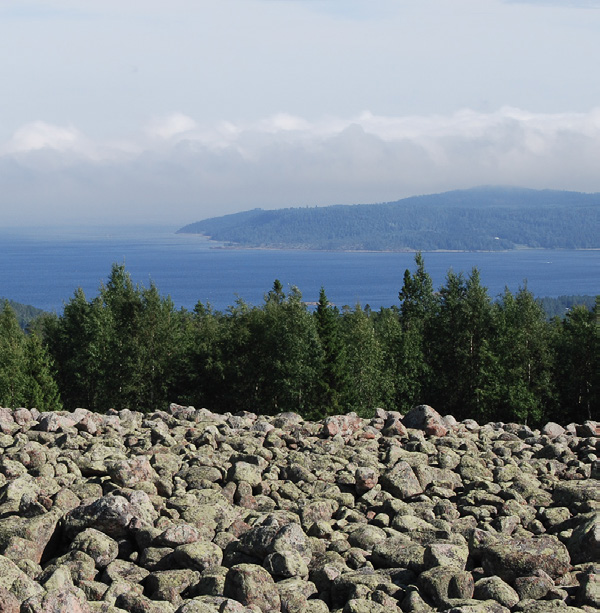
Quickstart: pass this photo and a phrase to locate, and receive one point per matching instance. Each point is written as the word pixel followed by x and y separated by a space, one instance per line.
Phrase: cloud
pixel 179 170
pixel 41 135
pixel 170 126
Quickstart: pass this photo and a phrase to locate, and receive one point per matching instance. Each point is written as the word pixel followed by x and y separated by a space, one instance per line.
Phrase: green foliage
pixel 525 389
pixel 561 305
pixel 25 313
pixel 577 360
pixel 116 350
pixel 463 361
pixel 417 312
pixel 369 388
pixel 26 374
pixel 333 380
pixel 454 349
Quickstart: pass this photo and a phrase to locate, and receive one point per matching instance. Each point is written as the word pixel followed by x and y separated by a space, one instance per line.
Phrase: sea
pixel 43 267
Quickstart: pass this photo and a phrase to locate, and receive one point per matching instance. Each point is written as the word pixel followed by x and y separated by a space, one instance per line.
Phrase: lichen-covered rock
pixel 191 511
pixel 426 418
pixel 251 584
pixel 100 547
pixel 69 600
pixel 520 557
pixel 401 482
pixel 198 555
pixel 442 583
pixel 494 588
pixel 109 514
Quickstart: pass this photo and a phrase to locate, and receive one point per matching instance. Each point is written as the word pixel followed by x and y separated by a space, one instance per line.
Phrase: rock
pixel 589 591
pixel 198 555
pixel 570 492
pixel 401 482
pixel 286 564
pixel 100 547
pixel 196 512
pixel 423 417
pixel 137 603
pixel 169 585
pixel 446 554
pixel 493 588
pixel 13 579
pixel 533 588
pixel 520 557
pixel 70 599
pixel 252 585
pixel 442 583
pixel 344 425
pixel 584 543
pixel 109 514
pixel 9 603
pixel 397 552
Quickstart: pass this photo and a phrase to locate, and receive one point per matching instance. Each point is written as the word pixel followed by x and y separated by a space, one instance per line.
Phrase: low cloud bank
pixel 178 169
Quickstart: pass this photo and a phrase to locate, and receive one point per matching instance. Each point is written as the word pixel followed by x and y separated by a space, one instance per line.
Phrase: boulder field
pixel 188 511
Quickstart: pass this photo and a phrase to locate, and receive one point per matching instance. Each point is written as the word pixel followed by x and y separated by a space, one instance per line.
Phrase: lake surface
pixel 43 267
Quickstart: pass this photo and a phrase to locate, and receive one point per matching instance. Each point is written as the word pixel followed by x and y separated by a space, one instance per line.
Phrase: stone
pixel 100 547
pixel 494 588
pixel 252 585
pixel 69 599
pixel 9 603
pixel 424 417
pixel 401 482
pixel 442 583
pixel 520 557
pixel 198 555
pixel 109 514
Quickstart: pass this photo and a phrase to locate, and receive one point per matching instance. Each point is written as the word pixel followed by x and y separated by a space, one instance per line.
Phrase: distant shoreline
pixel 223 247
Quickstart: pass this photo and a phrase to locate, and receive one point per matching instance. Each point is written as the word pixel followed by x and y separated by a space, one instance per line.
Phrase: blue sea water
pixel 43 267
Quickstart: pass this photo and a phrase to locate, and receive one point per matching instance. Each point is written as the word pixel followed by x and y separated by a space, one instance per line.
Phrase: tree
pixel 523 345
pixel 465 366
pixel 577 364
pixel 417 310
pixel 119 349
pixel 26 373
pixel 368 387
pixel 332 380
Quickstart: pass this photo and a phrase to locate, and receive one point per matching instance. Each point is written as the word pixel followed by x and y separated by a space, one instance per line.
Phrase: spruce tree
pixel 332 380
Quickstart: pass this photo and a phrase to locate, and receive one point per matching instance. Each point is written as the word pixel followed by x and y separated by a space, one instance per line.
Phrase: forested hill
pixel 483 218
pixel 25 313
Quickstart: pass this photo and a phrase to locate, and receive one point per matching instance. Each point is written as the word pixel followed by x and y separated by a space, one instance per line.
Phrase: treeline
pixel 454 349
pixel 481 219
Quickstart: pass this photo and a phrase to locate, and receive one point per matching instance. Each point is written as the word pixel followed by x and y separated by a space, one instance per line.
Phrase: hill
pixel 25 312
pixel 478 219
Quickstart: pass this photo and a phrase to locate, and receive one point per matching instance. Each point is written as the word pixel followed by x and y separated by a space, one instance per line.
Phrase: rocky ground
pixel 188 511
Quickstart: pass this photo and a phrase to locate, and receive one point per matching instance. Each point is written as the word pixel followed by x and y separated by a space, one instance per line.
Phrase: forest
pixel 452 348
pixel 479 219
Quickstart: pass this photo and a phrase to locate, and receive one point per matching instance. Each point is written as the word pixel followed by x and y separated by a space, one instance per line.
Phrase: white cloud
pixel 186 170
pixel 170 126
pixel 41 135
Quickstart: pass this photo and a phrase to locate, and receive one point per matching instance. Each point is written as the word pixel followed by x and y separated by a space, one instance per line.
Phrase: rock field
pixel 187 511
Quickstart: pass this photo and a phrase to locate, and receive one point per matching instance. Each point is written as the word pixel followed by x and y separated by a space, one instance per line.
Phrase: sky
pixel 171 112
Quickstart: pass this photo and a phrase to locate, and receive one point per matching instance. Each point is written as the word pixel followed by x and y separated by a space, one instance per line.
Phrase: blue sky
pixel 177 111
